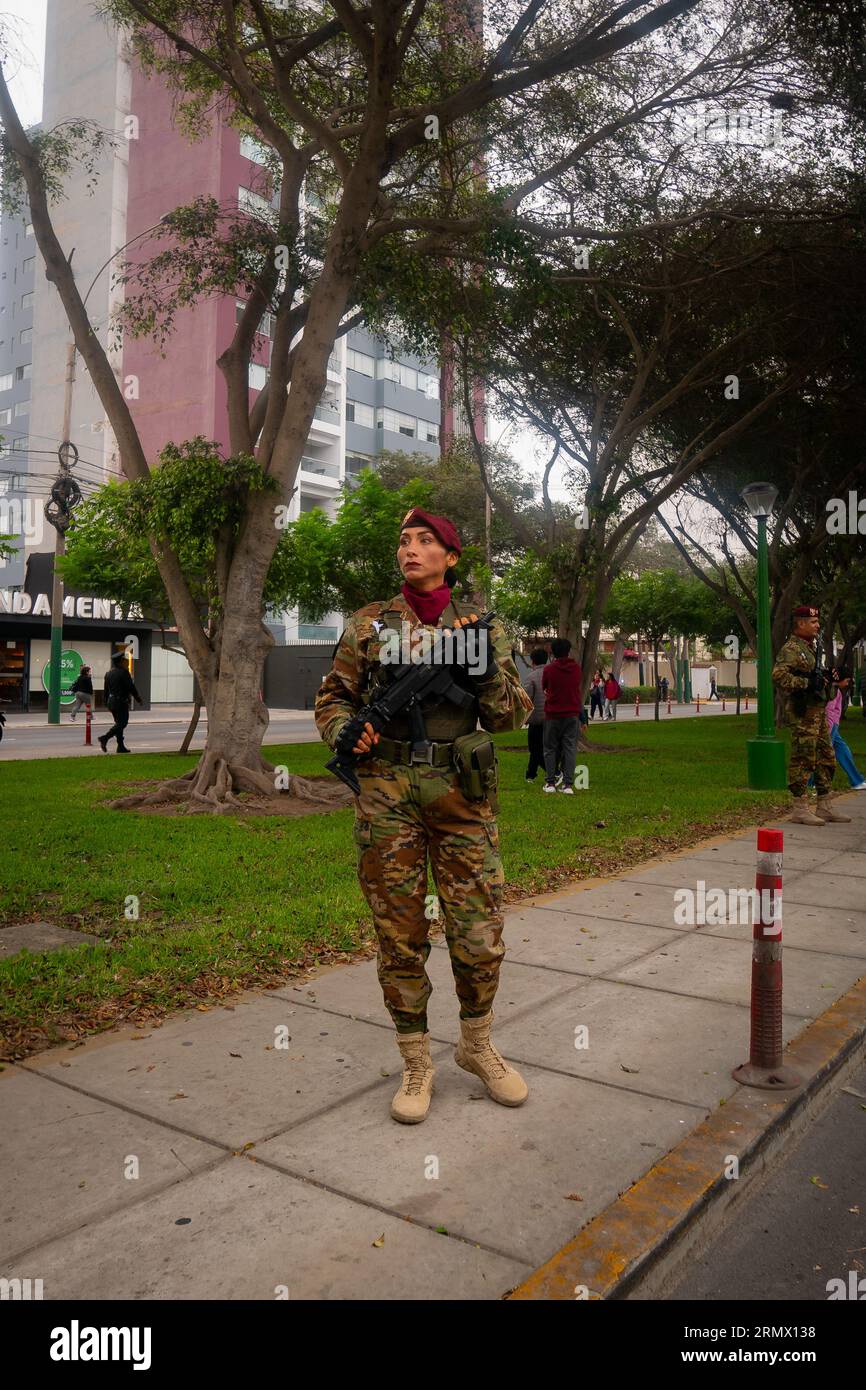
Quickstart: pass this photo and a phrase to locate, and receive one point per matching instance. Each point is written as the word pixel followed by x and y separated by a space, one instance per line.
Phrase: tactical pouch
pixel 477 767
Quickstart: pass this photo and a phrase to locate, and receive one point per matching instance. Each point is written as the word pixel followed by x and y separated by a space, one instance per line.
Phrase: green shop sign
pixel 70 669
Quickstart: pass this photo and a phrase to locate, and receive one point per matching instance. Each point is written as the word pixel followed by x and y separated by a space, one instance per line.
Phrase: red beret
pixel 439 525
pixel 804 611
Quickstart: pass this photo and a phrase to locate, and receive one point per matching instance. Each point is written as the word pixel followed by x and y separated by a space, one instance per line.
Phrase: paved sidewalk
pixel 203 1160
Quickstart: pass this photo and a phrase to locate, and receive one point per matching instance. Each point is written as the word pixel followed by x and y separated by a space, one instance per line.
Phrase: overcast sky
pixel 24 20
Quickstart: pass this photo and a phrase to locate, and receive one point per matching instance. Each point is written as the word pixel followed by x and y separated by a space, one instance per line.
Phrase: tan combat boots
pixel 826 811
pixel 803 813
pixel 412 1101
pixel 476 1053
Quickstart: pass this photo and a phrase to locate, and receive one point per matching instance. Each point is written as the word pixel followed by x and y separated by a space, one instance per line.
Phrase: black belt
pixel 394 751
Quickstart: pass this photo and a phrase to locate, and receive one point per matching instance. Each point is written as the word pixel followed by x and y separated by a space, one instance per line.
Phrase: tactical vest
pixel 443 719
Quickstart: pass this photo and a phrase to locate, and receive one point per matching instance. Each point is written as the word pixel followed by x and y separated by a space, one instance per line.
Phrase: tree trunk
pixel 193 723
pixel 656 670
pixel 739 660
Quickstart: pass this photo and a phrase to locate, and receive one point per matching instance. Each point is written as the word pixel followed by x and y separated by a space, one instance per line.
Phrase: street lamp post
pixel 766 752
pixel 60 517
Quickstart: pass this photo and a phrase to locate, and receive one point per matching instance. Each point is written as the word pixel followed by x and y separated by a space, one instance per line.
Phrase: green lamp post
pixel 766 752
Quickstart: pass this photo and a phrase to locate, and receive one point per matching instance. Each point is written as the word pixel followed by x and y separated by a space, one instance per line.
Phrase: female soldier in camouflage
pixel 409 809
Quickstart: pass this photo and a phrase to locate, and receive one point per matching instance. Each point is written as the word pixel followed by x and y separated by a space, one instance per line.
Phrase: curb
pixel 659 1219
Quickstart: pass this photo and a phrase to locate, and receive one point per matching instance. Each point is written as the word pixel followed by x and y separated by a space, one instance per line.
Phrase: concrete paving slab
pixel 649 904
pixel 811 928
pixel 852 865
pixel 834 892
pixel 686 871
pixel 78 1158
pixel 717 967
pixel 40 936
pixel 582 945
pixel 248 1232
pixel 354 992
pixel 797 857
pixel 200 1087
pixel 640 1039
pixel 504 1176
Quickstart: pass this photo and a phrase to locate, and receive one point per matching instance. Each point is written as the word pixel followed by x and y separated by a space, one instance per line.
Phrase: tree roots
pixel 216 783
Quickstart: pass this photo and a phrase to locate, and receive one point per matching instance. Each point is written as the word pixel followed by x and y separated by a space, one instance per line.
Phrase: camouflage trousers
pixel 403 815
pixel 811 751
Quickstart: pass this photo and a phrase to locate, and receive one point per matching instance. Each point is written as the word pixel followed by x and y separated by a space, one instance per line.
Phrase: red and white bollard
pixel 764 1067
pixel 723 704
pixel 88 742
pixel 637 706
pixel 747 702
pixel 698 703
pixel 669 704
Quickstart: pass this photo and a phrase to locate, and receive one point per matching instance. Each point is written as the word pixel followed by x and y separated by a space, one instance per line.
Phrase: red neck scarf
pixel 428 607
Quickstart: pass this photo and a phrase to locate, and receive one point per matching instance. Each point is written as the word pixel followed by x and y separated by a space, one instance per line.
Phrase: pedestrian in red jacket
pixel 561 681
pixel 612 692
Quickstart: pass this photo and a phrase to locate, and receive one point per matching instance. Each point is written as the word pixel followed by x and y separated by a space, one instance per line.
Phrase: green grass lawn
pixel 227 902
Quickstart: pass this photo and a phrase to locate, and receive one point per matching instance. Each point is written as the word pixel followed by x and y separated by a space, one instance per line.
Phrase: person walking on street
pixel 596 695
pixel 844 756
pixel 714 694
pixel 535 727
pixel 119 690
pixel 611 695
pixel 440 805
pixel 82 690
pixel 561 680
pixel 797 672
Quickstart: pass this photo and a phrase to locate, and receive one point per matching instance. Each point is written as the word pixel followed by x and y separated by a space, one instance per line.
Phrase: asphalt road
pixel 30 736
pixel 791 1238
pixel 161 729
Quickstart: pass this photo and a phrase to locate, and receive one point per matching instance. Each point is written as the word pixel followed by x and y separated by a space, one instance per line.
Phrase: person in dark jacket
pixel 561 681
pixel 596 695
pixel 535 726
pixel 82 690
pixel 119 689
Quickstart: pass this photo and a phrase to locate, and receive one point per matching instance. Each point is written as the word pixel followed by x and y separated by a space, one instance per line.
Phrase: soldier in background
pixel 409 809
pixel 796 673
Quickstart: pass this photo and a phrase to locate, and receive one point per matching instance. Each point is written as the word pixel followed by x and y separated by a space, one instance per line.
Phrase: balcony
pixel 320 468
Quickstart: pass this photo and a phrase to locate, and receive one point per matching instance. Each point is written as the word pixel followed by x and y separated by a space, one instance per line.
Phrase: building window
pixel 28 265
pixel 317 632
pixel 28 230
pixel 360 413
pixel 21 444
pixel 6 382
pixel 254 203
pixel 429 431
pixel 429 384
pixel 355 462
pixel 26 336
pixel 253 150
pixel 27 300
pixel 257 377
pixel 400 373
pixel 24 373
pixel 361 362
pixel 397 423
pixel 266 326
pixel 22 407
pixel 5 417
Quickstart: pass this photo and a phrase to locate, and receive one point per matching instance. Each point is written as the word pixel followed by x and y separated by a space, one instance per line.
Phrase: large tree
pixel 382 117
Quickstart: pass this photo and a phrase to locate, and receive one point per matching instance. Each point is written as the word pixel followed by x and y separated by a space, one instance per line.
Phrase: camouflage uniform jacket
pixel 500 701
pixel 791 673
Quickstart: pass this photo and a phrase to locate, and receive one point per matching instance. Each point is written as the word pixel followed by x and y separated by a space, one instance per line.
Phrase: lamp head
pixel 760 498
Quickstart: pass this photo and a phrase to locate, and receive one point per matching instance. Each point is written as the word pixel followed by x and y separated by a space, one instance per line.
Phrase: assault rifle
pixel 412 682
pixel 822 676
